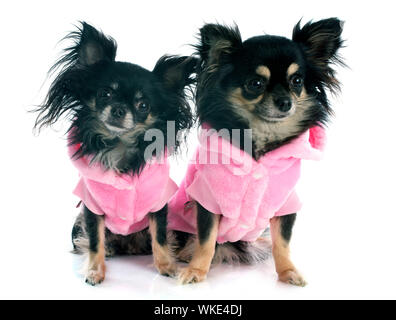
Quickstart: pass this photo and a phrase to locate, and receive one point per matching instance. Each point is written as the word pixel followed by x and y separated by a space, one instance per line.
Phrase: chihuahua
pixel 113 107
pixel 272 90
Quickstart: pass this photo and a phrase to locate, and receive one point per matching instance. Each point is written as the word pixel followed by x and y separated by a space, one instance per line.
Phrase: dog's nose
pixel 284 104
pixel 118 112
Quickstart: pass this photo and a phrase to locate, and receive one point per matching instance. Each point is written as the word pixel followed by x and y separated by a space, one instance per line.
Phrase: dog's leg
pixel 95 265
pixel 281 231
pixel 205 246
pixel 163 258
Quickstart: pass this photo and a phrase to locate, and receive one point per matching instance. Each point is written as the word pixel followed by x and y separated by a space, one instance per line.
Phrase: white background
pixel 344 240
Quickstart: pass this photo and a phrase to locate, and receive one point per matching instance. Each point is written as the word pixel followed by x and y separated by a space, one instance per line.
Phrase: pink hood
pixel 247 193
pixel 124 200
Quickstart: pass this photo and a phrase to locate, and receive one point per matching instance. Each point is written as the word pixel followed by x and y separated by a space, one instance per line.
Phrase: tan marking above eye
pixel 114 85
pixel 293 68
pixel 264 71
pixel 138 95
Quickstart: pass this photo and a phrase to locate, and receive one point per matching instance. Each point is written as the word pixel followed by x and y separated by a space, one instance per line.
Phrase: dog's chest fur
pixel 270 135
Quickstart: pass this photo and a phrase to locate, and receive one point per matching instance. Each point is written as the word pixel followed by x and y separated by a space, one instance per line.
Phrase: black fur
pixel 286 226
pixel 205 222
pixel 181 238
pixel 115 245
pixel 92 223
pixel 160 218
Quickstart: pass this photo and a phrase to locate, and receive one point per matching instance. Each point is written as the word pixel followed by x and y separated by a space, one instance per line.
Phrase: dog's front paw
pixel 168 269
pixel 292 277
pixel 192 275
pixel 95 276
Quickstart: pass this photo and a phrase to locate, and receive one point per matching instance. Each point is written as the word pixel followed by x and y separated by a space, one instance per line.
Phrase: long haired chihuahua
pixel 272 91
pixel 113 106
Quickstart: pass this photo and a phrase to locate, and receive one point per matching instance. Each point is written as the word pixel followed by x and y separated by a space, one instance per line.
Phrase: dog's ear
pixel 92 46
pixel 176 72
pixel 321 41
pixel 89 47
pixel 217 42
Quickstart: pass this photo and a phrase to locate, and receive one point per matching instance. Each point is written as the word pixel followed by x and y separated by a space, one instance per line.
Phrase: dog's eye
pixel 105 93
pixel 296 81
pixel 143 107
pixel 255 85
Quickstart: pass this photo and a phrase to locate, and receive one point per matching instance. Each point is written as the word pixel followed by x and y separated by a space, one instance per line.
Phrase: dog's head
pixel 268 82
pixel 113 104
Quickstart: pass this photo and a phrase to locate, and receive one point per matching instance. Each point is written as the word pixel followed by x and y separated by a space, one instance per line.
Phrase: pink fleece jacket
pixel 124 200
pixel 247 193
